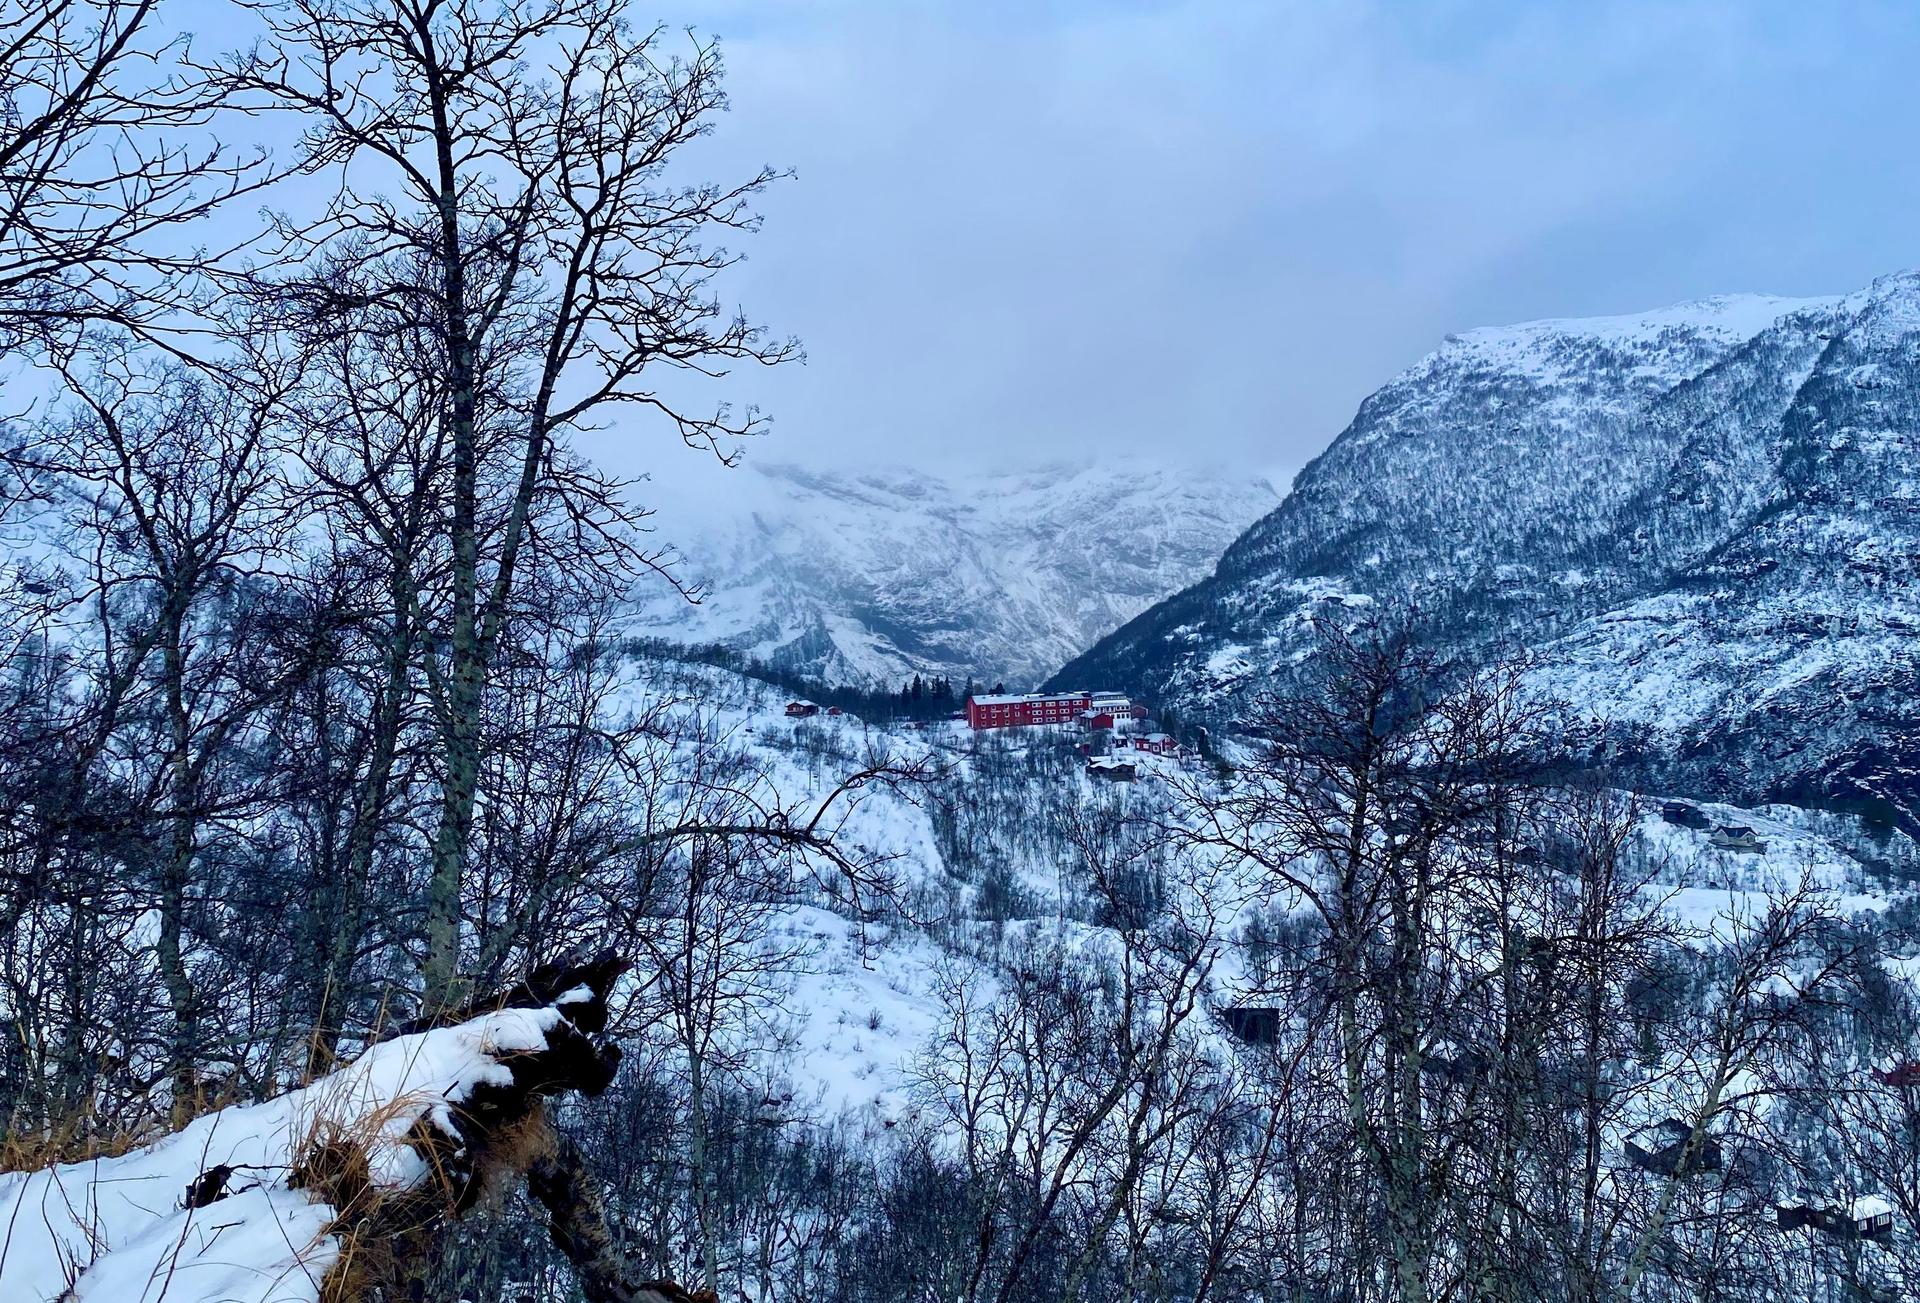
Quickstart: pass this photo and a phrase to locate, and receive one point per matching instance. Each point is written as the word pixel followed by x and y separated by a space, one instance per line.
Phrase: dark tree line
pixel 917 698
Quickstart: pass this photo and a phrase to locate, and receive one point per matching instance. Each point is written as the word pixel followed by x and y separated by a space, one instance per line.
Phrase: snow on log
pixel 261 1203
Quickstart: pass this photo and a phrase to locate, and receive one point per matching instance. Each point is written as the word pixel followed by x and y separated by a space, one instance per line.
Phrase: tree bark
pixel 577 1220
pixel 175 879
pixel 466 681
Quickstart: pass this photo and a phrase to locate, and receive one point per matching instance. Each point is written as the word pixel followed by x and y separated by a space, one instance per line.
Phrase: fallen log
pixel 349 1181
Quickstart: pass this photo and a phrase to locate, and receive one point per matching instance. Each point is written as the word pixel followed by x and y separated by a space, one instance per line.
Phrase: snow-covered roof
pixel 1664 1129
pixel 1010 699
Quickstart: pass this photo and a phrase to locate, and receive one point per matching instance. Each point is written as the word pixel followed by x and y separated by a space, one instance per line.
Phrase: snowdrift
pixel 259 1203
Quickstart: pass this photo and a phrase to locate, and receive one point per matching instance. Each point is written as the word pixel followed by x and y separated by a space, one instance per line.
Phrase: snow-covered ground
pixel 864 1000
pixel 1711 890
pixel 860 1004
pixel 866 1005
pixel 118 1230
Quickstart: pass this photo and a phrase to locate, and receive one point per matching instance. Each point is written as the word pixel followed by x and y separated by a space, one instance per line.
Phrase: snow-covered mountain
pixel 876 576
pixel 1703 523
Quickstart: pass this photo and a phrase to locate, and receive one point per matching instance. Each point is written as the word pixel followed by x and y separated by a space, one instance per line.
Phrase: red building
pixel 1903 1074
pixel 1111 711
pixel 1024 711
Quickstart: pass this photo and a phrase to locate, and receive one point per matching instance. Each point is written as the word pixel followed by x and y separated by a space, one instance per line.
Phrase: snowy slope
pixel 1702 522
pixel 860 1006
pixel 848 1007
pixel 117 1230
pixel 887 573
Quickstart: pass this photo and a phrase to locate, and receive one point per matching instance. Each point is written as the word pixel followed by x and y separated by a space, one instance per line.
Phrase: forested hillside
pixel 1698 523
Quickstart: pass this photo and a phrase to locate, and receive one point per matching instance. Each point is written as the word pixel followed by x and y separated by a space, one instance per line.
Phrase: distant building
pixel 1113 770
pixel 1090 710
pixel 1902 1074
pixel 1736 837
pixel 1112 711
pixel 1867 1218
pixel 1454 1062
pixel 1872 1217
pixel 1160 744
pixel 1026 711
pixel 801 709
pixel 1252 1026
pixel 1661 1147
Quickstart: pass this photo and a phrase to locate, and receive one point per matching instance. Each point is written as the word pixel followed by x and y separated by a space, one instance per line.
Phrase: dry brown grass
pixel 331 1162
pixel 383 1231
pixel 88 1134
pixel 78 1139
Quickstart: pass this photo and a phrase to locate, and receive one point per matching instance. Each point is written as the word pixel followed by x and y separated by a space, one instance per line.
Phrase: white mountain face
pixel 873 577
pixel 1702 524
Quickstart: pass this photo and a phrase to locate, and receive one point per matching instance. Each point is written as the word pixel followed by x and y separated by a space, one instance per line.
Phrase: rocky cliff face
pixel 874 577
pixel 1702 524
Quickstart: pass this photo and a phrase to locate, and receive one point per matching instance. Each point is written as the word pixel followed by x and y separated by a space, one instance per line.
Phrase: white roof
pixel 1869 1206
pixel 1010 699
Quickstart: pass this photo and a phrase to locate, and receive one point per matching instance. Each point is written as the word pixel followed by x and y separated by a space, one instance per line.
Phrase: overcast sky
pixel 1204 231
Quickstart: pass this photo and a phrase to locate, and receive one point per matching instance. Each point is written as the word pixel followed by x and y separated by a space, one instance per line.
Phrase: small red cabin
pixel 801 709
pixel 1903 1074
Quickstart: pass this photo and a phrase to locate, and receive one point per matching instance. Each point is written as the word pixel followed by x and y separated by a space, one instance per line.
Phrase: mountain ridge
pixel 1704 537
pixel 869 577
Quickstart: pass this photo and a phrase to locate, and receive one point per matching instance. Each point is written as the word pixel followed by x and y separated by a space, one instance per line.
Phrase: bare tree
pixel 523 220
pixel 1768 968
pixel 106 168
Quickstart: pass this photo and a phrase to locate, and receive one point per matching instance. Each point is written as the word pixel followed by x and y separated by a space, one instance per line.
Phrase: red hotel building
pixel 1032 708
